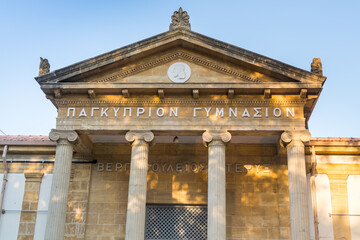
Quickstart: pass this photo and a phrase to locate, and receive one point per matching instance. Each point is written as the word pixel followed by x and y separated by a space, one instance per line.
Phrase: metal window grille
pixel 166 222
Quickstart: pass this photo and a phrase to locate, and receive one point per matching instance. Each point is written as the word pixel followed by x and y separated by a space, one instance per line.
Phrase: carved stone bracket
pixel 231 93
pixel 161 93
pixel 125 93
pixel 195 93
pixel 91 93
pixel 212 135
pixel 56 135
pixel 288 137
pixel 133 136
pixel 267 94
pixel 57 93
pixel 303 93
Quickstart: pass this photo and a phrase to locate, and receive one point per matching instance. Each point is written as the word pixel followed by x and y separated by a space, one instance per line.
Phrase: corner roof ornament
pixel 316 66
pixel 44 67
pixel 180 20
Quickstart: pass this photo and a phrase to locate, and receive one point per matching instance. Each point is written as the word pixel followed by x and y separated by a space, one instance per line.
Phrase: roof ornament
pixel 180 20
pixel 44 67
pixel 316 66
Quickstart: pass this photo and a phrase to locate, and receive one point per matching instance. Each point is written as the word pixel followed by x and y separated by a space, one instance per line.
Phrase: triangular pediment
pixel 225 62
pixel 154 69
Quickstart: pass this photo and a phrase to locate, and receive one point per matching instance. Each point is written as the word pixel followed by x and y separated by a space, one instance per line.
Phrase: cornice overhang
pixel 334 146
pixel 115 87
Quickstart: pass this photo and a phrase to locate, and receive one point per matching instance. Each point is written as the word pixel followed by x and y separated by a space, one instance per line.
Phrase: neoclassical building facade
pixel 180 136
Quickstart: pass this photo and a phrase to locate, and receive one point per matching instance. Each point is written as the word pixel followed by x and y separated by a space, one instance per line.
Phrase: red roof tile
pixel 336 139
pixel 25 140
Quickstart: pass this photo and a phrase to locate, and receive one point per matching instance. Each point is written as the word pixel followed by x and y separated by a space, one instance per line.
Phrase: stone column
pixel 136 207
pixel 55 225
pixel 299 215
pixel 215 140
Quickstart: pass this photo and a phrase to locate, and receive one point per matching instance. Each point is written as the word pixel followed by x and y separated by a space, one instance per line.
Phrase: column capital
pixel 291 136
pixel 33 176
pixel 146 136
pixel 214 135
pixel 56 135
pixel 338 178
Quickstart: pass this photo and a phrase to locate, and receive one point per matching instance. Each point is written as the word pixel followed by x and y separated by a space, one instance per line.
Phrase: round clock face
pixel 179 72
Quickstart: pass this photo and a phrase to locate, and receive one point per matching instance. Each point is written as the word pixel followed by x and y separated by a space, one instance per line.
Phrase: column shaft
pixel 136 207
pixel 216 191
pixel 216 140
pixel 55 225
pixel 299 215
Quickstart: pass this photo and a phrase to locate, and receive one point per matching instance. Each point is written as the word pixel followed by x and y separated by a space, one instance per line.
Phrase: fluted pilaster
pixel 340 204
pixel 215 140
pixel 55 226
pixel 299 215
pixel 135 217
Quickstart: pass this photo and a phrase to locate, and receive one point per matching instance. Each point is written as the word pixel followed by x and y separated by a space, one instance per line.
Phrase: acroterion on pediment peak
pixel 180 20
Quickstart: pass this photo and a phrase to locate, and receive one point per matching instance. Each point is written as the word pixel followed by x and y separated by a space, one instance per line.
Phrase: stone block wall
pixel 76 215
pixel 178 174
pixel 257 194
pixel 257 190
pixel 107 205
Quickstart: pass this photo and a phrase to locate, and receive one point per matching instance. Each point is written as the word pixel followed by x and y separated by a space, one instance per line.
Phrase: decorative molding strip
pixel 218 68
pixel 146 102
pixel 180 55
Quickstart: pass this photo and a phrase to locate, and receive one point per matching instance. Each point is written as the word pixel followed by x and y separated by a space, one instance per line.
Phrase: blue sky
pixel 67 31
